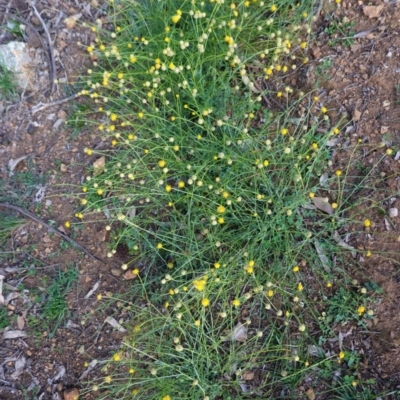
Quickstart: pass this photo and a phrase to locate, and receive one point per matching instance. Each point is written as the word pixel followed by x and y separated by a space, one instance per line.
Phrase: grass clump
pixel 8 223
pixel 211 188
pixel 8 84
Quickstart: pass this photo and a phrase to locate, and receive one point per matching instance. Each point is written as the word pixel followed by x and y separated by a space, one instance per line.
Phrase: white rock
pixel 393 212
pixel 14 56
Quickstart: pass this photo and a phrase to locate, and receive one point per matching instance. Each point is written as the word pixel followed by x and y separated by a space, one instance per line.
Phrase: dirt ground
pixel 357 79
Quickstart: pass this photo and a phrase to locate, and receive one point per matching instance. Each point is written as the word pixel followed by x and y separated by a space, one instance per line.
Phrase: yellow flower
pixel 284 131
pixel 236 302
pixel 199 284
pixel 181 184
pixel 311 195
pixel 67 224
pixel 113 117
pixel 341 355
pixel 117 357
pixel 368 253
pixel 265 163
pixel 361 310
pixel 221 209
pixel 83 202
pixel 221 220
pixel 324 110
pixel 162 163
pixel 176 18
pixel 296 268
pixel 168 188
pixel 167 397
pixel 314 146
pixel 367 223
pixel 270 293
pixel 334 205
pixel 338 172
pixel 205 302
pixel 107 379
pixel 249 269
pixel 273 8
pixel 300 287
pixel 159 246
pixel 217 265
pixel 197 322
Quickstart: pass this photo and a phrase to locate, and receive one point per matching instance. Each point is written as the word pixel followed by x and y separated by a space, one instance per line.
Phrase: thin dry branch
pixel 50 228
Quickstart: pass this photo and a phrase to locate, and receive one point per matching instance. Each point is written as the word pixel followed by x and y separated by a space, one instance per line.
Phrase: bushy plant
pixel 208 179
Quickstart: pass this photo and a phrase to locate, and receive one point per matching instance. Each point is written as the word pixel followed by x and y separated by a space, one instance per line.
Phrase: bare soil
pixel 357 80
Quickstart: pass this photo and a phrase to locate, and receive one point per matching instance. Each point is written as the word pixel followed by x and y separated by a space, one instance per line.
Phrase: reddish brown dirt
pixel 359 88
pixel 54 363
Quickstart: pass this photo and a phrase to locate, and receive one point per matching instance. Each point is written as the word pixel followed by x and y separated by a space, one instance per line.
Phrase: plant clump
pixel 209 178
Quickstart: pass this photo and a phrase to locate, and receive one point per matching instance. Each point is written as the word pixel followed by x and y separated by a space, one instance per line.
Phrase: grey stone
pixel 15 57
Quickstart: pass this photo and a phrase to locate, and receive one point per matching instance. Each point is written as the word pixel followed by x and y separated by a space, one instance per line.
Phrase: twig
pixel 53 71
pixel 43 106
pixel 50 228
pixel 6 12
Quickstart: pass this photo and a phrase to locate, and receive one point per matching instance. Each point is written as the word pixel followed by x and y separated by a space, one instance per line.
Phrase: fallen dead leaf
pixel 13 335
pixel 13 163
pixel 115 324
pixel 19 368
pixel 99 165
pixel 248 375
pixel 70 22
pixel 20 322
pixel 239 333
pixel 373 11
pixel 95 287
pixel 10 297
pixel 71 394
pixel 92 364
pixel 356 115
pixel 129 275
pixel 323 205
pixel 310 394
pixel 322 256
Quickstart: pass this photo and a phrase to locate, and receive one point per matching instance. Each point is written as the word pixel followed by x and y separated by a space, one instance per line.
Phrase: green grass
pixel 8 85
pixel 8 223
pixel 212 191
pixel 55 307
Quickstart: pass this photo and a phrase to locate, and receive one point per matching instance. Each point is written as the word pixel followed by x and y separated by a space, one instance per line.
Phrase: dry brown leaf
pixel 129 275
pixel 19 368
pixel 99 165
pixel 323 205
pixel 13 335
pixel 20 322
pixel 71 394
pixel 310 394
pixel 356 115
pixel 373 11
pixel 248 375
pixel 70 22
